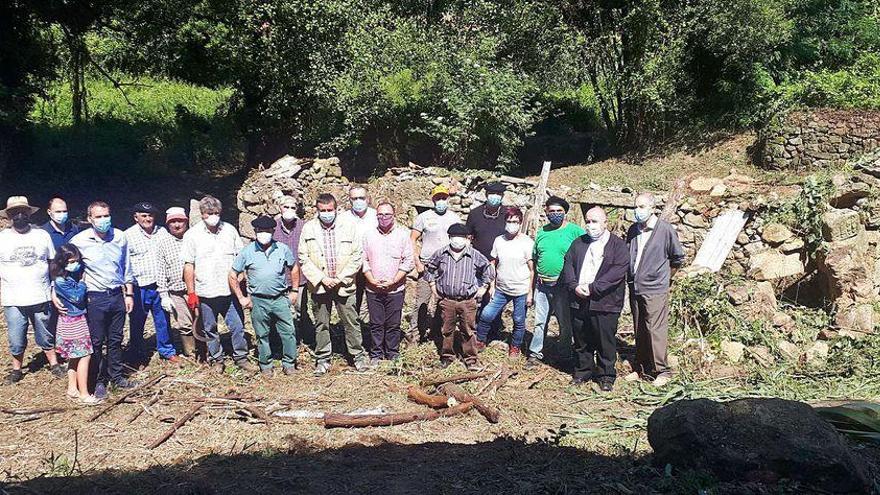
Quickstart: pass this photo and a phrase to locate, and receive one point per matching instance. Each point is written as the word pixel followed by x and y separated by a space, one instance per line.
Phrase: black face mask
pixel 21 221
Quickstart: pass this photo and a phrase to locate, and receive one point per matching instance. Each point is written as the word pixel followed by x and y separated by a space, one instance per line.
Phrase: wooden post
pixel 532 224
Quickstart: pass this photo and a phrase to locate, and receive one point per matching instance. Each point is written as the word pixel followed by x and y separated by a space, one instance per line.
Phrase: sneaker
pixel 362 365
pixel 13 377
pixel 174 360
pixel 90 400
pixel 218 367
pixel 474 367
pixel 579 380
pixel 100 390
pixel 72 394
pixel 662 379
pixel 267 372
pixel 58 371
pixel 321 368
pixel 125 384
pixel 445 364
pixel 480 346
pixel 533 362
pixel 514 353
pixel 632 377
pixel 606 384
pixel 289 370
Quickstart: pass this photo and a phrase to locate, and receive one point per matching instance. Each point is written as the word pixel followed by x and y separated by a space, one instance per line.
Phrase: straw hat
pixel 17 203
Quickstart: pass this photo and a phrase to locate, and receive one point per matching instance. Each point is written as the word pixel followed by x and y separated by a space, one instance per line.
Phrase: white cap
pixel 175 213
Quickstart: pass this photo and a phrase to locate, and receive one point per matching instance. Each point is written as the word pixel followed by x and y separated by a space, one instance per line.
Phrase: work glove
pixel 192 300
pixel 166 303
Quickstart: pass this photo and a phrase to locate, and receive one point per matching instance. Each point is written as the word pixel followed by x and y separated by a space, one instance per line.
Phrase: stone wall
pixel 820 138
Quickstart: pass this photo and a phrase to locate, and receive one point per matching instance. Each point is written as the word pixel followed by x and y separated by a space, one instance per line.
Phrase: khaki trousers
pixel 463 315
pixel 651 319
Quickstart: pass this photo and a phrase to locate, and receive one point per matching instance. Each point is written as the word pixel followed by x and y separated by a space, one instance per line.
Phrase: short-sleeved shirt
pixel 363 224
pixel 485 228
pixel 60 238
pixel 551 244
pixel 512 275
pixel 433 229
pixel 143 248
pixel 265 269
pixel 212 255
pixel 24 267
pixel 106 261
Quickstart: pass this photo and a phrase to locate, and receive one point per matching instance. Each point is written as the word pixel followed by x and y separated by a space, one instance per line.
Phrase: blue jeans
pixel 212 307
pixel 147 301
pixel 106 317
pixel 493 310
pixel 551 297
pixel 17 319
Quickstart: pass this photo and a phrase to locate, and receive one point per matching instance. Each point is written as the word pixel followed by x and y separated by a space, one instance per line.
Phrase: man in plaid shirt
pixel 143 241
pixel 172 289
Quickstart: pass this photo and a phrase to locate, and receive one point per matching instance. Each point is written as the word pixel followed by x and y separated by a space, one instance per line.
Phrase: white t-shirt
pixel 433 228
pixel 24 267
pixel 212 254
pixel 512 274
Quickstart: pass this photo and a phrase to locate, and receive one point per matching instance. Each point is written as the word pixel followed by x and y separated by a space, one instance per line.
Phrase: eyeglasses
pixel 384 214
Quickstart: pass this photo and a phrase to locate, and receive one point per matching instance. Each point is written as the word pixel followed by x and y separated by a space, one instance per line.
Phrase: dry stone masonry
pixel 820 138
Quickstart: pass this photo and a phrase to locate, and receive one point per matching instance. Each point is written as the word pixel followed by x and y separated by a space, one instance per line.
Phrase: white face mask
pixel 512 228
pixel 595 230
pixel 288 215
pixel 212 220
pixel 264 238
pixel 458 243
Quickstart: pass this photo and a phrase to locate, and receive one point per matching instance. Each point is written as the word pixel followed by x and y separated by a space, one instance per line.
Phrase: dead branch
pixel 177 424
pixel 429 382
pixel 29 412
pixel 126 395
pixel 531 383
pixel 143 408
pixel 492 380
pixel 419 396
pixel 499 382
pixel 461 395
pixel 351 421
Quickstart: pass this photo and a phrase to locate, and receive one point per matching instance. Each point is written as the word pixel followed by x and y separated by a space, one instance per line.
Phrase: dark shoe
pixel 474 367
pixel 445 364
pixel 100 390
pixel 13 377
pixel 125 384
pixel 218 367
pixel 245 365
pixel 579 380
pixel 480 346
pixel 606 385
pixel 532 362
pixel 58 371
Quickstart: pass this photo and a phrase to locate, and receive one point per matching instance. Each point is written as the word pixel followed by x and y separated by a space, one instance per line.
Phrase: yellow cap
pixel 441 189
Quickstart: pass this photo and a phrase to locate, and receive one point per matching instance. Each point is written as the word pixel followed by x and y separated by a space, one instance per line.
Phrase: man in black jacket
pixel 595 272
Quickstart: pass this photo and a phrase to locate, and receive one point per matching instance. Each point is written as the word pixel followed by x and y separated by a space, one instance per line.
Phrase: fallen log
pixel 461 395
pixel 419 396
pixel 177 424
pixel 430 382
pixel 125 396
pixel 353 421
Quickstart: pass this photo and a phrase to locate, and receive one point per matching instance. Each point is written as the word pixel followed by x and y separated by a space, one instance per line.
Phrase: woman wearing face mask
pixel 514 280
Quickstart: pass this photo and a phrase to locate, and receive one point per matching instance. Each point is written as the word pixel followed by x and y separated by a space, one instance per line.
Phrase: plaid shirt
pixel 330 249
pixel 170 265
pixel 144 253
pixel 459 278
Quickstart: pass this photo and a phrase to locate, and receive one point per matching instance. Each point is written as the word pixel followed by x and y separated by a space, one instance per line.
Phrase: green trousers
pixel 266 314
pixel 345 308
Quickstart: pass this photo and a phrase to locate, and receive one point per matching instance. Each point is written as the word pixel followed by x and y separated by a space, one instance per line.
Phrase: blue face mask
pixel 441 205
pixel 556 217
pixel 59 218
pixel 359 205
pixel 493 199
pixel 103 225
pixel 73 266
pixel 643 214
pixel 327 217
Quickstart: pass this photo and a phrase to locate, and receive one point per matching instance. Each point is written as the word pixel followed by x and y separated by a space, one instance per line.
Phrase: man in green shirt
pixel 551 244
pixel 271 272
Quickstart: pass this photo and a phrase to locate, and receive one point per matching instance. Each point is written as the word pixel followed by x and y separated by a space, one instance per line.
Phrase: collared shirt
pixel 363 224
pixel 107 265
pixel 143 249
pixel 170 276
pixel 593 259
pixel 462 277
pixel 290 238
pixel 329 236
pixel 60 237
pixel 642 239
pixel 266 269
pixel 385 254
pixel 211 254
pixel 24 267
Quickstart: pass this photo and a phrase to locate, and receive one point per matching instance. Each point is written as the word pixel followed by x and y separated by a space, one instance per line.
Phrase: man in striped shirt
pixel 459 275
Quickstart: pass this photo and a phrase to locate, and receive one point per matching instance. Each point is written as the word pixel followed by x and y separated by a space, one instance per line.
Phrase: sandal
pixel 90 400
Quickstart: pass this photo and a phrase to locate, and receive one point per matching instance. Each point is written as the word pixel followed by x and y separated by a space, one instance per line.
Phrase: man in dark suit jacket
pixel 595 272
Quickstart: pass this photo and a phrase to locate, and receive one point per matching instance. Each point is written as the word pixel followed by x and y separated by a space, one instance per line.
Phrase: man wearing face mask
pixel 208 251
pixel 486 223
pixel 655 255
pixel 59 226
pixel 363 216
pixel 271 271
pixel 430 226
pixel 330 254
pixel 110 281
pixel 25 253
pixel 170 284
pixel 459 275
pixel 288 230
pixel 594 271
pixel 551 244
pixel 143 239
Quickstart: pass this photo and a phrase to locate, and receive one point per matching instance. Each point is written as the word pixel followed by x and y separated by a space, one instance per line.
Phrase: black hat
pixel 556 200
pixel 495 187
pixel 263 222
pixel 145 207
pixel 458 229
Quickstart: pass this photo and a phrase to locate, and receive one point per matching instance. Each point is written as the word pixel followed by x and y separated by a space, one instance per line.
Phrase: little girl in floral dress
pixel 72 339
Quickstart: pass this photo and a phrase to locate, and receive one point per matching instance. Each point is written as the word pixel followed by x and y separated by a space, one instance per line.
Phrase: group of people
pixel 75 287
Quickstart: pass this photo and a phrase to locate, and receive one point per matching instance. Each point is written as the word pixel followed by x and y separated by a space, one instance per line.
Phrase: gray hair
pixel 648 196
pixel 210 203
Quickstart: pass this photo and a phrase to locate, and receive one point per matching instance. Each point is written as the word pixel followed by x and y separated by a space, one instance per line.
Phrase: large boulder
pixel 771 265
pixel 749 438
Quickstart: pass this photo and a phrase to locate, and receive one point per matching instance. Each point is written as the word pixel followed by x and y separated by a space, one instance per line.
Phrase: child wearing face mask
pixel 72 339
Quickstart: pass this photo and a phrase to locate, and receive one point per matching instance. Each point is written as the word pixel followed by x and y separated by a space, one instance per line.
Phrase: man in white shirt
pixel 365 220
pixel 208 251
pixel 25 253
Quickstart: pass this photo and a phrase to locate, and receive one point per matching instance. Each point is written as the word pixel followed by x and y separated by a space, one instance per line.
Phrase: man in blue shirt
pixel 271 272
pixel 108 277
pixel 59 226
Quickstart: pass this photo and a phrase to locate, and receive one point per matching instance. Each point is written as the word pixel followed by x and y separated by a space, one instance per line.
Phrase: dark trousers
pixel 595 344
pixel 106 317
pixel 463 316
pixel 386 310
